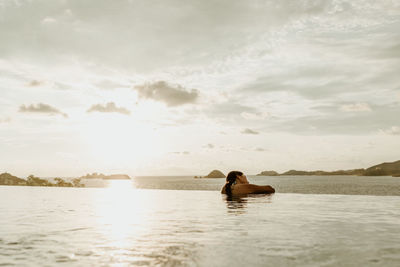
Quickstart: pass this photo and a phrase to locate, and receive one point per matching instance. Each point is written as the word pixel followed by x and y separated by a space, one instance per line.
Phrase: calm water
pixel 121 225
pixel 345 185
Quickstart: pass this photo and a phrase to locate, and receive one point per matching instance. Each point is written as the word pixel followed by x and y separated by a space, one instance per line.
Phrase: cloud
pixel 263 50
pixel 394 130
pixel 308 82
pixel 108 108
pixel 228 111
pixel 356 107
pixel 249 131
pixel 164 92
pixel 190 33
pixel 187 31
pixel 41 108
pixel 259 149
pixel 333 121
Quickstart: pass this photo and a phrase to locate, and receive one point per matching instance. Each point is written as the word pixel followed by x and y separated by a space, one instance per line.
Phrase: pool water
pixel 122 225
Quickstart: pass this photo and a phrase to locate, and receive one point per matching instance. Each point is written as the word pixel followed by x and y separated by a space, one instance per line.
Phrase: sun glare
pixel 118 187
pixel 115 140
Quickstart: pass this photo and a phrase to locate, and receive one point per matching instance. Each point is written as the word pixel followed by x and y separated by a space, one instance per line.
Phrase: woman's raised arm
pixel 255 189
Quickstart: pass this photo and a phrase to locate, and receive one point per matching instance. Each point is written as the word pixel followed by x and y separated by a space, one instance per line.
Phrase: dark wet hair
pixel 230 179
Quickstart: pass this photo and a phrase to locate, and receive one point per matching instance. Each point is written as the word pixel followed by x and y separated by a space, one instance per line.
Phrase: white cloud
pixel 356 107
pixel 110 107
pixel 41 108
pixel 249 131
pixel 169 94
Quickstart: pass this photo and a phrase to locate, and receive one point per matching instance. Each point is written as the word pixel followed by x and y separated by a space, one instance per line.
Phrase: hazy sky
pixel 184 87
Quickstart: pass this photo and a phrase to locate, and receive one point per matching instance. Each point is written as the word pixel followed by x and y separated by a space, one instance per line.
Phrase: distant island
pixel 383 169
pixel 31 180
pixel 96 175
pixel 213 174
pixel 8 179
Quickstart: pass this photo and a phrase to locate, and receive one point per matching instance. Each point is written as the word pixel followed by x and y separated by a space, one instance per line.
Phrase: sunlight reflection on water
pixel 122 212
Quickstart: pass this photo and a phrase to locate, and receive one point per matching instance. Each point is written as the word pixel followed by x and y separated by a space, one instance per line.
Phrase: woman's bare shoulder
pixel 253 189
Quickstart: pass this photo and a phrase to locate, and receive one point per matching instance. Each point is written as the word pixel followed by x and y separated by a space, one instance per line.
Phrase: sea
pixel 183 221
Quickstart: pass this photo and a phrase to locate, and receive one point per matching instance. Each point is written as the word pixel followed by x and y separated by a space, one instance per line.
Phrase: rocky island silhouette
pixel 383 169
pixel 31 180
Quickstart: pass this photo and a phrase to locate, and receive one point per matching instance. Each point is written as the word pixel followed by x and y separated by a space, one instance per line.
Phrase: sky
pixel 184 87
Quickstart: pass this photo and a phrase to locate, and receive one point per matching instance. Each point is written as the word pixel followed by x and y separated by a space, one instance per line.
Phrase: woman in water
pixel 237 184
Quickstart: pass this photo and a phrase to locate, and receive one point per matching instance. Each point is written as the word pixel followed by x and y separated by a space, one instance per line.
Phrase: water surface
pixel 121 226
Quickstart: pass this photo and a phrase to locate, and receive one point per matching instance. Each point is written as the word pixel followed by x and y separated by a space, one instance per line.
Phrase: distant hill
pixel 215 174
pixel 383 169
pixel 96 175
pixel 8 179
pixel 268 173
pixel 339 172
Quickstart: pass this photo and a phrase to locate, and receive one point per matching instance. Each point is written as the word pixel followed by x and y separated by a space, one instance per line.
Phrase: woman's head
pixel 231 179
